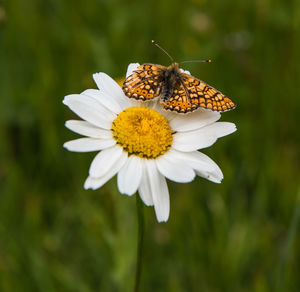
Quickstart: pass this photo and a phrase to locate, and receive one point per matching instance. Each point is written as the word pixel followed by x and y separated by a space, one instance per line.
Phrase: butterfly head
pixel 172 73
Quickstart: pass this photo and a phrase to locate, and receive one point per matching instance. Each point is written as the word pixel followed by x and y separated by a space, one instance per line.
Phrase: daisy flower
pixel 142 143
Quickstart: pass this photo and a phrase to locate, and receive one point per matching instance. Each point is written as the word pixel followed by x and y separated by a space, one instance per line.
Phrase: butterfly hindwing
pixel 179 101
pixel 144 83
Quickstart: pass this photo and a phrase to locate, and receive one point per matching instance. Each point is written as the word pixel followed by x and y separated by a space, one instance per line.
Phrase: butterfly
pixel 178 91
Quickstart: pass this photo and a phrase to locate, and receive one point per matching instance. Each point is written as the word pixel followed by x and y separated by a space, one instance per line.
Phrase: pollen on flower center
pixel 143 132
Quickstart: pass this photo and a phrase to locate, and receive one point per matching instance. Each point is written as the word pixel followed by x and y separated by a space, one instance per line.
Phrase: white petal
pixel 160 192
pixel 95 183
pixel 90 110
pixel 174 168
pixel 89 144
pixel 193 159
pixel 185 71
pixel 129 177
pixel 111 88
pixel 202 164
pixel 169 115
pixel 144 188
pixel 202 138
pixel 109 101
pixel 215 176
pixel 194 120
pixel 131 67
pixel 104 160
pixel 86 129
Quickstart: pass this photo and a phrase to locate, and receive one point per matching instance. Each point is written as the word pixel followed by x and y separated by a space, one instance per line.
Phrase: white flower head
pixel 142 143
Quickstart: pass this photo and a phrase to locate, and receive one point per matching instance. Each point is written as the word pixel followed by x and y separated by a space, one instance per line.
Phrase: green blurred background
pixel 241 235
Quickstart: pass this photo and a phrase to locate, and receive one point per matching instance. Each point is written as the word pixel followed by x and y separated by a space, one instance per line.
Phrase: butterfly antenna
pixel 156 44
pixel 199 61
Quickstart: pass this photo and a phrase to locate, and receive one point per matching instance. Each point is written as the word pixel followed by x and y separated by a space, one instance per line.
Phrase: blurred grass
pixel 242 235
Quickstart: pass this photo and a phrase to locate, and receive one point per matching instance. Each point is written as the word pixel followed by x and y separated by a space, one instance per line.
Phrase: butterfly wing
pixel 179 100
pixel 191 93
pixel 144 83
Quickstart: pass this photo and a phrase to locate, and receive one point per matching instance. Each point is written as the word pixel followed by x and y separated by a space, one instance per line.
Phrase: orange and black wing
pixel 145 83
pixel 179 100
pixel 192 93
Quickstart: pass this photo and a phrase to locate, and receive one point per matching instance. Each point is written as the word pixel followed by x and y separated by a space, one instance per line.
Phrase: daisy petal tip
pixel 194 176
pixel 163 219
pixel 67 124
pixel 235 128
pixel 65 145
pixel 89 187
pixel 231 127
pixel 185 71
pixel 131 67
pixel 86 185
pixel 89 184
pixel 217 181
pixel 98 76
pixel 129 194
pixel 162 214
pixel 65 100
pixel 68 99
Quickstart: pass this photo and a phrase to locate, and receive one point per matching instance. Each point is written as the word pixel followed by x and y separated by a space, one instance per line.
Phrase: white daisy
pixel 142 143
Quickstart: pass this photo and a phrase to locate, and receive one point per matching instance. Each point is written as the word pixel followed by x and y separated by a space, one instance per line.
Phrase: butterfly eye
pixel 137 90
pixel 144 92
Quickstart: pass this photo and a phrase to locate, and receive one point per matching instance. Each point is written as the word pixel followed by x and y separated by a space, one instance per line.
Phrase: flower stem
pixel 140 241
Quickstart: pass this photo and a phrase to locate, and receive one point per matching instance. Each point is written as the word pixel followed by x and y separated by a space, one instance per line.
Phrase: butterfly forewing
pixel 145 83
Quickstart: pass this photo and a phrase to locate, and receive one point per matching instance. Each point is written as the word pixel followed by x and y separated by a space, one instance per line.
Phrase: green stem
pixel 140 217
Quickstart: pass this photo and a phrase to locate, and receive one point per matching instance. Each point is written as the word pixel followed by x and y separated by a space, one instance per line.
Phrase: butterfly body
pixel 178 91
pixel 171 77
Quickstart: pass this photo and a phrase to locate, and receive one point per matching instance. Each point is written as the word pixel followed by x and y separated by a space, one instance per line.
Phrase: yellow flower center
pixel 143 132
